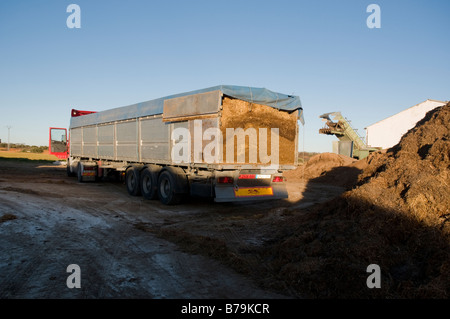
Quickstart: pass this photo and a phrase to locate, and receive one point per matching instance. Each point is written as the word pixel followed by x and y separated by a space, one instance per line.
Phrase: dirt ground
pixel 396 216
pixel 128 247
pixel 390 210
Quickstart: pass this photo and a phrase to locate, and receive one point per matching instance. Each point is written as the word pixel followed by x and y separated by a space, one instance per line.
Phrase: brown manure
pixel 241 114
pixel 397 216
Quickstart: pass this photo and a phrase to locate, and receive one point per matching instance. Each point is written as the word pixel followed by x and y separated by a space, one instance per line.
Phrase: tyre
pixel 79 172
pixel 132 181
pixel 69 173
pixel 166 189
pixel 149 184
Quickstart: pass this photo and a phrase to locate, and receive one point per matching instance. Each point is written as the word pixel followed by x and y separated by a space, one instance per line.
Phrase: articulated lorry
pixel 231 143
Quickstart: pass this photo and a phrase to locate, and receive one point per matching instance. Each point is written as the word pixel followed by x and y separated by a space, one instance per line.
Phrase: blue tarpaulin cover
pixel 262 96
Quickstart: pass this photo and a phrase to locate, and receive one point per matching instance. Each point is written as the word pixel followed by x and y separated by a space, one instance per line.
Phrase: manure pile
pixel 396 216
pixel 328 168
pixel 241 114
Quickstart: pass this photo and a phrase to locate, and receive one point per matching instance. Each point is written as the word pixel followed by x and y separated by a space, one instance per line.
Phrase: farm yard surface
pixel 126 246
pixel 342 215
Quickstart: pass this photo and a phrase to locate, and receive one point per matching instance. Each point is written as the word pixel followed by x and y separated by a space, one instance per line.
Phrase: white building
pixel 388 132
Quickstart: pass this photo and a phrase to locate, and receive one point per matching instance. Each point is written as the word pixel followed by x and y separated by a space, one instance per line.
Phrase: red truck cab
pixel 58 143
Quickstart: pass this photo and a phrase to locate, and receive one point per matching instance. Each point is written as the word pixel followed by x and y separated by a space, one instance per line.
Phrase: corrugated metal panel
pixel 192 106
pixel 178 146
pixel 126 141
pixel 106 141
pixel 75 141
pixel 154 144
pixel 89 141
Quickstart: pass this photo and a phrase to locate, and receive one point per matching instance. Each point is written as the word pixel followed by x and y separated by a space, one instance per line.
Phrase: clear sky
pixel 132 51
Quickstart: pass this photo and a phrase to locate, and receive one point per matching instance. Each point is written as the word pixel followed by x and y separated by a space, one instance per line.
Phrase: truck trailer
pixel 230 143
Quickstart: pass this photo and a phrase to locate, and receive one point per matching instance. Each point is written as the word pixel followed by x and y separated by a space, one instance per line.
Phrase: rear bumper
pixel 230 193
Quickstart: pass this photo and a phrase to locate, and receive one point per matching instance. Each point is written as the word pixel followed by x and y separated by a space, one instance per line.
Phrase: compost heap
pixel 328 168
pixel 397 217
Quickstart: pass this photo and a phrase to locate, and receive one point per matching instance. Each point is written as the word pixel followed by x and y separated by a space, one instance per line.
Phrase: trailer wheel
pixel 148 184
pixel 132 181
pixel 69 172
pixel 166 189
pixel 79 172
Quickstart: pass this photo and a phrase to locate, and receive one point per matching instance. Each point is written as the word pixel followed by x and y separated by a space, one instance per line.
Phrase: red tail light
pixel 247 176
pixel 225 180
pixel 278 179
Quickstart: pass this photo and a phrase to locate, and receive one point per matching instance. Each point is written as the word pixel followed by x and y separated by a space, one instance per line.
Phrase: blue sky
pixel 132 51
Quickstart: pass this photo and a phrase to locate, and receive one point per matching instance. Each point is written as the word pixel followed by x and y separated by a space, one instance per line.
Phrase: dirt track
pixel 128 247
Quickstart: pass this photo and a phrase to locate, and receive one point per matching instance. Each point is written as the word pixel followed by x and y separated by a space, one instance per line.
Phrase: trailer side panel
pixel 154 140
